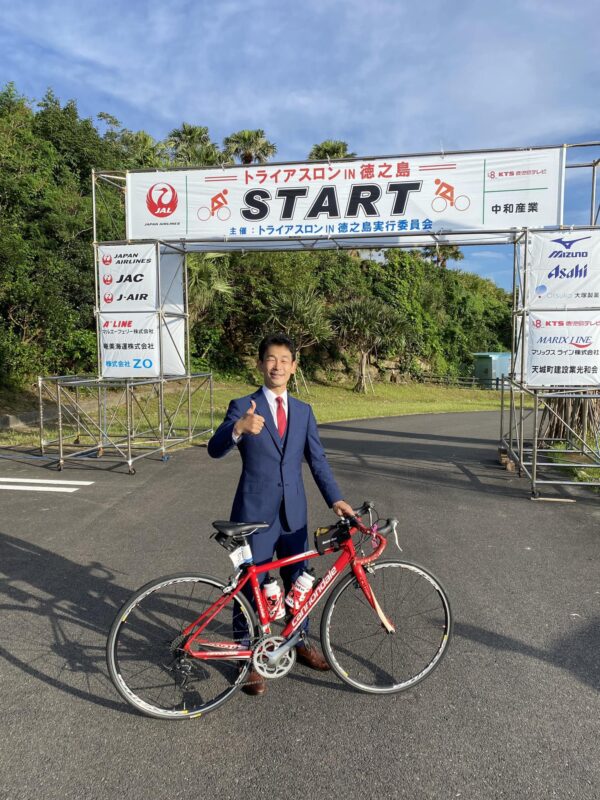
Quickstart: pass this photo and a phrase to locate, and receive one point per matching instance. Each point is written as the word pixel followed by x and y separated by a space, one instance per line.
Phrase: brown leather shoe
pixel 311 657
pixel 254 684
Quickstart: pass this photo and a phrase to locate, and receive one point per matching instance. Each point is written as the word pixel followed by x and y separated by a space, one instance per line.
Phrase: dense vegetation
pixel 343 308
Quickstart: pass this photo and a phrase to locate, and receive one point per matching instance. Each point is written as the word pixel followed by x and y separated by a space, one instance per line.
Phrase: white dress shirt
pixel 271 398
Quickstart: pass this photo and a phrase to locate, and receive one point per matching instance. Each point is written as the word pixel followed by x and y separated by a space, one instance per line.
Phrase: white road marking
pixel 41 485
pixel 22 488
pixel 44 480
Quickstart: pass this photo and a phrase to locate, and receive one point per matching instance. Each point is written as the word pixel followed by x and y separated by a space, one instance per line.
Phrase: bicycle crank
pixel 262 657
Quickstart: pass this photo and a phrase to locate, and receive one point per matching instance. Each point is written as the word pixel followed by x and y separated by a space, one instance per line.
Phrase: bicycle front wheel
pixel 144 652
pixel 359 648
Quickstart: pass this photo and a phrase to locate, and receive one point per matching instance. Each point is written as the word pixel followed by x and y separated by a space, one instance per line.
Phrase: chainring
pixel 263 649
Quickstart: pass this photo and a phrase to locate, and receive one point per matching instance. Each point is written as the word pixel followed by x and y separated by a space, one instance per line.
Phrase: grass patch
pixel 330 404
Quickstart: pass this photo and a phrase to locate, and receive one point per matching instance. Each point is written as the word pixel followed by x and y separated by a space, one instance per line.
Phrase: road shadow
pixel 56 615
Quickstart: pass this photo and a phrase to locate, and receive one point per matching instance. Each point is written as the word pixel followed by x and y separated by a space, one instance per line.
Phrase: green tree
pixel 363 325
pixel 249 146
pixel 440 254
pixel 302 314
pixel 329 149
pixel 191 146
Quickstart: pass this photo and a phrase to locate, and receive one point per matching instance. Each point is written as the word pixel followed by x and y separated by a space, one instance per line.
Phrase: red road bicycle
pixel 171 652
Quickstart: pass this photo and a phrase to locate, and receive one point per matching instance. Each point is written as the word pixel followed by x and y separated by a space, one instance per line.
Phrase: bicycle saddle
pixel 238 528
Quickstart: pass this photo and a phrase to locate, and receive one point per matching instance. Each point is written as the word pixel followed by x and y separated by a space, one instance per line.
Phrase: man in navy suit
pixel 274 432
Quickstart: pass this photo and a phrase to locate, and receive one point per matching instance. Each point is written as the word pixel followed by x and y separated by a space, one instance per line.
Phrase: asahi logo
pixel 575 272
pixel 161 199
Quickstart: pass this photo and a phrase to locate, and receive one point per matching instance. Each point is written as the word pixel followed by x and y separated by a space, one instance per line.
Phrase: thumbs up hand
pixel 251 422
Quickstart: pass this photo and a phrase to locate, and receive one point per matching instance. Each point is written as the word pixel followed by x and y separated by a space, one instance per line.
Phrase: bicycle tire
pixel 358 647
pixel 143 651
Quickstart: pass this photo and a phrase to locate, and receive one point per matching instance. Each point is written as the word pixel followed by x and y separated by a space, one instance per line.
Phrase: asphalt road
pixel 512 712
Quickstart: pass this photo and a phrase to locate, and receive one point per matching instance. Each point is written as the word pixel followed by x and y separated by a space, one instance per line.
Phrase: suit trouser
pixel 278 540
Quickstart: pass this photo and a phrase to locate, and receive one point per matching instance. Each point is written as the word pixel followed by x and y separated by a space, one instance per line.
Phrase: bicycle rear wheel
pixel 359 648
pixel 144 648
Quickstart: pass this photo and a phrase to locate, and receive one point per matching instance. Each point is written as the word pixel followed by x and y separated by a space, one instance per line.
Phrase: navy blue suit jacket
pixel 272 470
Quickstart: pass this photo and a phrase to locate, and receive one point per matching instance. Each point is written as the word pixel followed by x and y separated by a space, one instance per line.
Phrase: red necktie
pixel 281 420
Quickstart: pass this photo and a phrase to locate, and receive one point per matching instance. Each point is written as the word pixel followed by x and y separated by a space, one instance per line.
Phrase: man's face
pixel 276 367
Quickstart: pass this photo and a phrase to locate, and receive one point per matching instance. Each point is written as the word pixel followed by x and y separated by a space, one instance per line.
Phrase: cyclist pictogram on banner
pixel 218 207
pixel 445 195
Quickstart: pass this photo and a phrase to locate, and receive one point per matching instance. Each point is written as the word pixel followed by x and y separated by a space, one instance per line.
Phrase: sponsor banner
pixel 129 345
pixel 563 348
pixel 359 197
pixel 127 277
pixel 563 269
pixel 173 346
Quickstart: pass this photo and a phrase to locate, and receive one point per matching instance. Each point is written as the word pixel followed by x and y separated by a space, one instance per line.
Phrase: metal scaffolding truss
pixel 122 420
pixel 569 459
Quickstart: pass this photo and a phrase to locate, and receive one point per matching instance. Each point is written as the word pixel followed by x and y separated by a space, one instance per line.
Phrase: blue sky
pixel 387 76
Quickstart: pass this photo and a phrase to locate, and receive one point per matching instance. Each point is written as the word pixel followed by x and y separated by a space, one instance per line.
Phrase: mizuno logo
pixel 568 243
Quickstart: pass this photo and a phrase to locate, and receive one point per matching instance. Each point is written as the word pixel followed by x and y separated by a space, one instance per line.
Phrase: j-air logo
pixel 363 196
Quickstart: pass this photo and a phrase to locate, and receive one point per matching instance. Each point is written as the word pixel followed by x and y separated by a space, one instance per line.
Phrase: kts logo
pixel 107 279
pixel 108 298
pixel 161 200
pixel 107 260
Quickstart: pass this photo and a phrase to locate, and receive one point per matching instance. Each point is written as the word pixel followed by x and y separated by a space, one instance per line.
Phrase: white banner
pixel 563 269
pixel 129 345
pixel 173 346
pixel 127 277
pixel 360 197
pixel 563 348
pixel 171 282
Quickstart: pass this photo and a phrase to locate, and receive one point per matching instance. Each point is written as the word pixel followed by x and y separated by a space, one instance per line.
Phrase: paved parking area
pixel 512 712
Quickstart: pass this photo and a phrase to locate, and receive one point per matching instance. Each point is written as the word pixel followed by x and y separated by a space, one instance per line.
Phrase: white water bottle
pixel 273 597
pixel 300 591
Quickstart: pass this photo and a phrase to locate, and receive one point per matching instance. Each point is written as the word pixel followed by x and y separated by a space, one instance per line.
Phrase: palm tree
pixel 206 283
pixel 191 145
pixel 142 150
pixel 249 146
pixel 364 325
pixel 440 254
pixel 302 315
pixel 330 148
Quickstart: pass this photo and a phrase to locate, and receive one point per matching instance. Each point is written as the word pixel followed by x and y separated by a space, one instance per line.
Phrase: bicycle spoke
pixel 146 658
pixel 368 657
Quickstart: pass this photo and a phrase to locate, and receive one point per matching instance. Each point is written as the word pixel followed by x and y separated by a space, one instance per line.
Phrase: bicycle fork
pixel 364 584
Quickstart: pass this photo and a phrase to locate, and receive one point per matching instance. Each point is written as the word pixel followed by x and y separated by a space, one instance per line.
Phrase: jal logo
pixel 161 200
pixel 107 279
pixel 107 260
pixel 108 298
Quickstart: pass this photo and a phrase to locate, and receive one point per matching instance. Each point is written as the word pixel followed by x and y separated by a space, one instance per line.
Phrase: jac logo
pixel 108 298
pixel 107 260
pixel 161 200
pixel 107 279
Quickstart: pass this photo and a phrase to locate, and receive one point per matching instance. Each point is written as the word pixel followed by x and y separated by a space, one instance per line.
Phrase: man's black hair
pixel 278 339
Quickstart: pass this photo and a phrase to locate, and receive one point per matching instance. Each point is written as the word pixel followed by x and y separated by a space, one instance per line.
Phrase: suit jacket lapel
pixel 262 407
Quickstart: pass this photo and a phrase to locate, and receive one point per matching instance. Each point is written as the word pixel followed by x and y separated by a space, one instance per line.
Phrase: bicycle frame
pixel 348 557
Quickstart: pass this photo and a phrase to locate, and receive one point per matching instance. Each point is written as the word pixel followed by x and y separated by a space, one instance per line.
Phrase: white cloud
pixel 389 76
